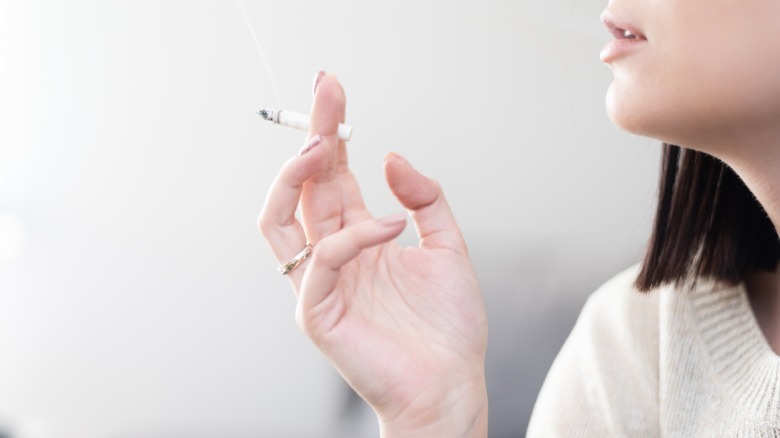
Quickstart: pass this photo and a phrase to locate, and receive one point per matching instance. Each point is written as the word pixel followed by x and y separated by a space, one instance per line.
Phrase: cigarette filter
pixel 298 121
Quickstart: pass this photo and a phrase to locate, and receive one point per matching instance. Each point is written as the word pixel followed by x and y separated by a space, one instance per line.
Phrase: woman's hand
pixel 405 326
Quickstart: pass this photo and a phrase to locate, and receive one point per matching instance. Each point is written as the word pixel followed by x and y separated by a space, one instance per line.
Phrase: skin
pixel 706 79
pixel 406 327
pixel 393 320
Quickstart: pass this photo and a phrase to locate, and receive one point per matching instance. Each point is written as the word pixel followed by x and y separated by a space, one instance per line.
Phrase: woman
pixel 406 327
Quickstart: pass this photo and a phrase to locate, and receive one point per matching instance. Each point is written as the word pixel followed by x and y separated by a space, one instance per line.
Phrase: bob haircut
pixel 708 225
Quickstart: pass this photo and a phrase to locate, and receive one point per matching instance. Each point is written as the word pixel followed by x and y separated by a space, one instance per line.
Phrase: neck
pixel 763 180
pixel 755 157
pixel 759 167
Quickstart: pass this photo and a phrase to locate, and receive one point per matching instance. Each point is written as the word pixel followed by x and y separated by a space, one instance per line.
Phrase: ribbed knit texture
pixel 687 362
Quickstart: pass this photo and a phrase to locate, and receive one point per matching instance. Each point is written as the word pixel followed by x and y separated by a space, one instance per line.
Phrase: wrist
pixel 461 412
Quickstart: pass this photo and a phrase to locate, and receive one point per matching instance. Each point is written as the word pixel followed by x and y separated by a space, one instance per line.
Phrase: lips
pixel 628 38
pixel 620 28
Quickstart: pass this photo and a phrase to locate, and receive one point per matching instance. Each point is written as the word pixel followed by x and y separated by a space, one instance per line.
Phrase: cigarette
pixel 298 121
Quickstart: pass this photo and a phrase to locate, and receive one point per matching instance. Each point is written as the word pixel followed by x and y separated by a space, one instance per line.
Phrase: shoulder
pixel 618 315
pixel 618 327
pixel 605 377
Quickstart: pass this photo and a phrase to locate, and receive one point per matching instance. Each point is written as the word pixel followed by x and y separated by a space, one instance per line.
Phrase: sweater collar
pixel 740 354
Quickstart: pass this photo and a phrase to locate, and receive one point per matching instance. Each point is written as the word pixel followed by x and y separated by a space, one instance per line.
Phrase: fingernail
pixel 394 155
pixel 317 78
pixel 393 219
pixel 311 144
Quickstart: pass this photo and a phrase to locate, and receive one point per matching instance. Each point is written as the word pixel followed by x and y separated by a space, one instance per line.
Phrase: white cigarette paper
pixel 298 121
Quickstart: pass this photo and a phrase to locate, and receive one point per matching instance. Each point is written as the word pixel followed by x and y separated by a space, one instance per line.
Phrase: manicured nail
pixel 394 155
pixel 311 144
pixel 393 219
pixel 317 78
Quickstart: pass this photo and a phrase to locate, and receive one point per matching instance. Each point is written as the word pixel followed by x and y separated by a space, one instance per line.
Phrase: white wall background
pixel 137 298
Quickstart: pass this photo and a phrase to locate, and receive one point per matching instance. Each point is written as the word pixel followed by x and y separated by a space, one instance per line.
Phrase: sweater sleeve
pixel 604 381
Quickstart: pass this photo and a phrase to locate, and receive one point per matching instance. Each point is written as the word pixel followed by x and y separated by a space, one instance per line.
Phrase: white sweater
pixel 684 362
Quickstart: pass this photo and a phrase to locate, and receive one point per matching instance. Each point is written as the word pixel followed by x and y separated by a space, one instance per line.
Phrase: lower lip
pixel 619 48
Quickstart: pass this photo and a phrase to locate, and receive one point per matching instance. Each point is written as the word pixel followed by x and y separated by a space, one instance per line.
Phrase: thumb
pixel 431 214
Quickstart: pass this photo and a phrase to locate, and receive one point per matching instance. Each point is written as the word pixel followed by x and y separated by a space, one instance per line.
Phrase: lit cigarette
pixel 298 121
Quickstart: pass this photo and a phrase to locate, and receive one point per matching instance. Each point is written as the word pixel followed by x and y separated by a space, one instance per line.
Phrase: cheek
pixel 733 79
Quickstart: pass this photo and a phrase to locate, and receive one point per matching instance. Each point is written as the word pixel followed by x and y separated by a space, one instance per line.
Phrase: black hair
pixel 707 225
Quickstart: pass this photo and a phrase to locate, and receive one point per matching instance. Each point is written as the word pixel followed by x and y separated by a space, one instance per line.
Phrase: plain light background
pixel 138 299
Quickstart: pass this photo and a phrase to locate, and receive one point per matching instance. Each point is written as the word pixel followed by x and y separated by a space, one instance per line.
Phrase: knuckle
pixel 437 193
pixel 436 186
pixel 264 223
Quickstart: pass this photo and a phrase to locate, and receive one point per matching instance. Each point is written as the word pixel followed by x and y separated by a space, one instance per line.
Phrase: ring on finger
pixel 296 261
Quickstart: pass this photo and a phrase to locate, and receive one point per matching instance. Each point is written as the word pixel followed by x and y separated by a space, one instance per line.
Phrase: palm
pixel 398 312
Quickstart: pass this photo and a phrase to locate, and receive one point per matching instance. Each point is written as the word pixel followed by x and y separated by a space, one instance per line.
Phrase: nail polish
pixel 311 144
pixel 394 155
pixel 317 78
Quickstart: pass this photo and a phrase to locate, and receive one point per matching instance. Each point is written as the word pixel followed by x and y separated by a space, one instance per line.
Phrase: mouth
pixel 628 39
pixel 619 29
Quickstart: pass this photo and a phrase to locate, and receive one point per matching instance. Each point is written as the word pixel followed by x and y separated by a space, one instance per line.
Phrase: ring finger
pixel 277 221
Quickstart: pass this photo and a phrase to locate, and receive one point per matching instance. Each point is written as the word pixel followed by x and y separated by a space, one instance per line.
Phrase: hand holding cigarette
pixel 405 326
pixel 298 121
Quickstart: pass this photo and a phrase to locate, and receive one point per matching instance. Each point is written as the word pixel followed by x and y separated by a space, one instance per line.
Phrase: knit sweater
pixel 687 362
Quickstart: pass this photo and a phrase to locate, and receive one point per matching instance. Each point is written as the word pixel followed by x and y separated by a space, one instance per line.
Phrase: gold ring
pixel 295 261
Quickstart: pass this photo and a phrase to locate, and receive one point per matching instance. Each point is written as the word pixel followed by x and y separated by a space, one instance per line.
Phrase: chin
pixel 626 115
pixel 642 115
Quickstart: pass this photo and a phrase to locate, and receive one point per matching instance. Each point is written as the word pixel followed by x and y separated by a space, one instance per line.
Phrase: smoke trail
pixel 260 50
